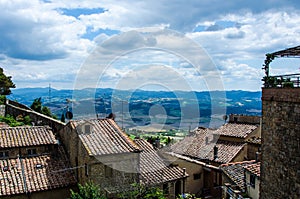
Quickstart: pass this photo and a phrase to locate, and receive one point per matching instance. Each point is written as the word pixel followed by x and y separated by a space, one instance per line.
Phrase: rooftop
pixel 33 174
pixel 236 130
pixel 105 137
pixel 26 136
pixel 153 168
pixel 253 168
pixel 200 145
pixel 235 172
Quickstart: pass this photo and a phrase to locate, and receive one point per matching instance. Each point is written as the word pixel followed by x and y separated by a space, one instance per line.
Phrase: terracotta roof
pixel 236 130
pixel 201 143
pixel 105 137
pixel 52 174
pixel 26 136
pixel 254 168
pixel 235 172
pixel 154 169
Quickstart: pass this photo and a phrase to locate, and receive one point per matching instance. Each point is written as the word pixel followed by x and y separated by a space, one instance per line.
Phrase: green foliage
pixel 87 191
pixel 11 121
pixel 5 83
pixel 38 107
pixel 139 191
pixel 287 83
pixel 187 196
pixel 27 120
pixel 46 111
pixel 2 99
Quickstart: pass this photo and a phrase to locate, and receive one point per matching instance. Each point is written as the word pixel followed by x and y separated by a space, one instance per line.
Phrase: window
pixel 252 180
pixel 4 154
pixel 31 151
pixel 39 166
pixel 108 171
pixel 166 188
pixel 86 170
pixel 87 128
pixel 197 176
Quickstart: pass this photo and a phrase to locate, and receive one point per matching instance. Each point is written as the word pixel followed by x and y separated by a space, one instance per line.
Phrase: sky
pixel 155 45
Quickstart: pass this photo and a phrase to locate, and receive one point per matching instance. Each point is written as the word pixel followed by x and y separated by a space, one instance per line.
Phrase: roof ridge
pixel 235 163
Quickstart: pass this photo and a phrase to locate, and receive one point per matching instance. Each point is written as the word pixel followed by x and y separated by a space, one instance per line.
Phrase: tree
pixel 5 83
pixel 63 118
pixel 139 191
pixel 87 191
pixel 37 105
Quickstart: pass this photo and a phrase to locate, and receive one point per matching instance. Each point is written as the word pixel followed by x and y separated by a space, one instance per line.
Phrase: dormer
pixel 85 128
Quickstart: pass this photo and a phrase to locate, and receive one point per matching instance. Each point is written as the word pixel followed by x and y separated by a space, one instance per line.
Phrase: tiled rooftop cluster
pixel 236 130
pixel 105 137
pixel 26 136
pixel 153 168
pixel 24 175
pixel 235 171
pixel 200 145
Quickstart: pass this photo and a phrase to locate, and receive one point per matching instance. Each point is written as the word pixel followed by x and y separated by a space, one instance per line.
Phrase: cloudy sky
pixel 54 42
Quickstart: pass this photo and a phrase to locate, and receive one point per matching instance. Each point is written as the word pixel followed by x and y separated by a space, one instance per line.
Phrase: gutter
pixel 193 161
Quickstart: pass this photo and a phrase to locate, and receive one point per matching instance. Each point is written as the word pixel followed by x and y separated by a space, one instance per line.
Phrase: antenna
pixel 49 98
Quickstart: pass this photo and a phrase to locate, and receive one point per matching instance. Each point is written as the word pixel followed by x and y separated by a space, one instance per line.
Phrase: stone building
pixel 252 179
pixel 280 165
pixel 102 153
pixel 204 150
pixel 33 164
pixel 241 179
pixel 155 171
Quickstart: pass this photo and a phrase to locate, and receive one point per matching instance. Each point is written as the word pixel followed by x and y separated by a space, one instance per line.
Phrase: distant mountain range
pixel 178 109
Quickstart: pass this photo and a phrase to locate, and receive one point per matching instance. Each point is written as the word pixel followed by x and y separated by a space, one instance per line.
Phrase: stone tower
pixel 280 165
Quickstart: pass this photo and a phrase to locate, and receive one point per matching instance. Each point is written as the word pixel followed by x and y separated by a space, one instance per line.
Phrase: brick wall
pixel 280 166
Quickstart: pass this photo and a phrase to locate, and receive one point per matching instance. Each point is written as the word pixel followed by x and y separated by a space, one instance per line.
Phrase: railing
pixel 282 81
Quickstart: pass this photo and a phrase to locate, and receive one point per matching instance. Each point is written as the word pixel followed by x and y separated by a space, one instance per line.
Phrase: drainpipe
pixel 183 183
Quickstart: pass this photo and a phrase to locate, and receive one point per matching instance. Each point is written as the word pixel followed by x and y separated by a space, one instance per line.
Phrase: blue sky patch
pixel 82 11
pixel 91 34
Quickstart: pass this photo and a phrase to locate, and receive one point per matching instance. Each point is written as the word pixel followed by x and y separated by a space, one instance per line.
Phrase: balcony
pixel 281 81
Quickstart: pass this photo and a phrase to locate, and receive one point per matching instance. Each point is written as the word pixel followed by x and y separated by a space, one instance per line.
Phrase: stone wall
pixel 15 109
pixel 124 167
pixel 280 165
pixel 244 119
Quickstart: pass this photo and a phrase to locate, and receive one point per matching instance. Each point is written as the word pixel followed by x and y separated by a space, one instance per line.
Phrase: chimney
pixel 206 140
pixel 215 152
pixel 257 156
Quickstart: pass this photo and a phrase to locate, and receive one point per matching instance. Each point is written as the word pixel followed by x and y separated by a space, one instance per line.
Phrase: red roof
pixel 26 136
pixel 200 145
pixel 235 171
pixel 105 137
pixel 254 168
pixel 236 130
pixel 154 169
pixel 35 174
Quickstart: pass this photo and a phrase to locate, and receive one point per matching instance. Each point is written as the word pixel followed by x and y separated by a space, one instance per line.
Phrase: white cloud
pixel 42 43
